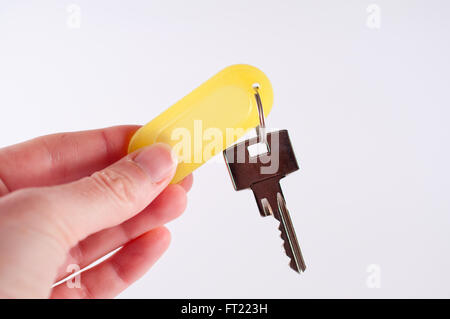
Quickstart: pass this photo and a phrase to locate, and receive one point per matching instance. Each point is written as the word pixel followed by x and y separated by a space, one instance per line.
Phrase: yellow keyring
pixel 210 118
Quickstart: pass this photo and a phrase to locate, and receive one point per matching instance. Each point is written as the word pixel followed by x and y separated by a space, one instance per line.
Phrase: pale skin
pixel 71 198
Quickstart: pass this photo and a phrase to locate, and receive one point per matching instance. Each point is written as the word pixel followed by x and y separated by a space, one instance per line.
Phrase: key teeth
pixel 294 267
pixel 292 263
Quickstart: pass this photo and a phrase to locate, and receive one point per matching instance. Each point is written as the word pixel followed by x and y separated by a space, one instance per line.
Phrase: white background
pixel 367 111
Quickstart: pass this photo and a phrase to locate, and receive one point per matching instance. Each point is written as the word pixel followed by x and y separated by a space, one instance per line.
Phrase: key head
pixel 246 170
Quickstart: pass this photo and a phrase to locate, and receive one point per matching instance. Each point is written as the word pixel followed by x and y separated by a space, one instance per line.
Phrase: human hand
pixel 72 198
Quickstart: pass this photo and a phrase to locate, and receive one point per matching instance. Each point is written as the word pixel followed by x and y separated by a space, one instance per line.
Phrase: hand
pixel 72 198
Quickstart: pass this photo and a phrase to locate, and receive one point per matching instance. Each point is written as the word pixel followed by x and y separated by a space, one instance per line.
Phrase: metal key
pixel 262 174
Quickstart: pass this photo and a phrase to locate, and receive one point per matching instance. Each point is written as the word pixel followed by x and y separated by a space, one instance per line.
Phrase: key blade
pixel 289 237
pixel 270 201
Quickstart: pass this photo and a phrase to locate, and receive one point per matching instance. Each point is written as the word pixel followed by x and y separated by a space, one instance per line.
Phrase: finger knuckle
pixel 115 184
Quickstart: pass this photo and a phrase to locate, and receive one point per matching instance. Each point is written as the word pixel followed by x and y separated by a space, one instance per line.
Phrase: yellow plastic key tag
pixel 210 118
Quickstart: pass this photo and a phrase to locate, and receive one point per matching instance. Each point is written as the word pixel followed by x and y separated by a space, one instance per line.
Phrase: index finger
pixel 61 158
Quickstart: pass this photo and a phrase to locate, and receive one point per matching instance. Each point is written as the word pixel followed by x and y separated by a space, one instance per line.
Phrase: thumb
pixel 107 198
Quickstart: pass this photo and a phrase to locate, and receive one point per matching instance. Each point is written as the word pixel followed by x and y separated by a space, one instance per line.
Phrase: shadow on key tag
pixel 262 173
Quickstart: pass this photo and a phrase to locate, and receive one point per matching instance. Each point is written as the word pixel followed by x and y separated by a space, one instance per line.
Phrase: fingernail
pixel 158 161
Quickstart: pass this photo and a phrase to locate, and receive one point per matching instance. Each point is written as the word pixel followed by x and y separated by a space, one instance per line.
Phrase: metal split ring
pixel 261 128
